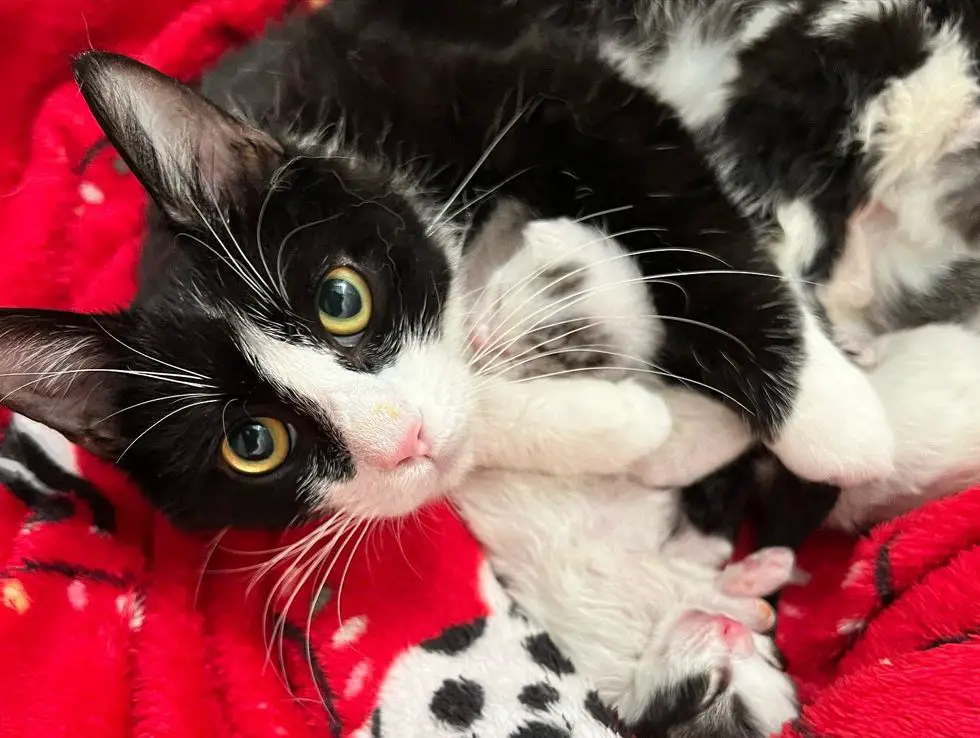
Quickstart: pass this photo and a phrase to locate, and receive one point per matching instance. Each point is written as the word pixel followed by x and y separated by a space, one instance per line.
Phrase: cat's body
pixel 312 248
pixel 630 591
pixel 843 120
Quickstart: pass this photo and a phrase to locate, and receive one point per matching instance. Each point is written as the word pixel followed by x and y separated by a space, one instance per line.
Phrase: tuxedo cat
pixel 298 343
pixel 631 592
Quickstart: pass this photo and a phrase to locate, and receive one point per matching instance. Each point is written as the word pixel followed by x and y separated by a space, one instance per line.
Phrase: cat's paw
pixel 837 431
pixel 761 574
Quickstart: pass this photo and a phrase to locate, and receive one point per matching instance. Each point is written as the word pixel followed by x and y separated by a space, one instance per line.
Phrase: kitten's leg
pixel 571 425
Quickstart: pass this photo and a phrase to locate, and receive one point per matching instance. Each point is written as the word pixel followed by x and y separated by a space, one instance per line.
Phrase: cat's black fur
pixel 583 142
pixel 787 130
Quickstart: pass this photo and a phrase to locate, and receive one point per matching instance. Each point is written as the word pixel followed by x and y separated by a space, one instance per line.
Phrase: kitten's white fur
pixel 929 380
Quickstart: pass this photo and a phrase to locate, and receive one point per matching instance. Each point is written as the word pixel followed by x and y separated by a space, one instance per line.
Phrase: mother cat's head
pixel 299 346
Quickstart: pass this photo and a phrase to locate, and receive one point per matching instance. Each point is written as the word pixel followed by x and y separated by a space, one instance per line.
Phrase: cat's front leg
pixel 569 425
pixel 706 436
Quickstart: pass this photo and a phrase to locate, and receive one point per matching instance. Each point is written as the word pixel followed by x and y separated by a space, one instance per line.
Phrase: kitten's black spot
pixel 883 574
pixel 376 723
pixel 601 712
pixel 540 730
pixel 545 653
pixel 538 696
pixel 675 703
pixel 456 639
pixel 458 702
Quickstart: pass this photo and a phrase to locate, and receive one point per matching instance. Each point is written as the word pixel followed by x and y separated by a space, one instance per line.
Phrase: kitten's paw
pixel 761 574
pixel 837 431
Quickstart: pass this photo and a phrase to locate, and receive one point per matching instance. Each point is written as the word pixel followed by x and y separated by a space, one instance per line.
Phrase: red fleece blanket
pixel 108 627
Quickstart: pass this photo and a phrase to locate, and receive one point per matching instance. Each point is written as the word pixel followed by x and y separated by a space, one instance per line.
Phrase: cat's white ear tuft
pixel 187 152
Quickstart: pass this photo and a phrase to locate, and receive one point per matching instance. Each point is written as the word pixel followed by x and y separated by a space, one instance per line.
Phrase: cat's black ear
pixel 188 153
pixel 53 369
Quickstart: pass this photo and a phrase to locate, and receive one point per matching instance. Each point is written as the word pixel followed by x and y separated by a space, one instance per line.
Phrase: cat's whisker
pixel 267 288
pixel 273 184
pixel 491 368
pixel 624 255
pixel 212 547
pixel 602 213
pixel 46 376
pixel 586 267
pixel 347 566
pixel 229 261
pixel 440 216
pixel 161 420
pixel 573 299
pixel 280 267
pixel 256 287
pixel 558 259
pixel 638 370
pixel 477 200
pixel 185 396
pixel 186 372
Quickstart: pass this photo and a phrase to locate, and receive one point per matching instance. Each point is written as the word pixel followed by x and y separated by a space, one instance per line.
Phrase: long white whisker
pixel 476 167
pixel 165 417
pixel 186 372
pixel 184 396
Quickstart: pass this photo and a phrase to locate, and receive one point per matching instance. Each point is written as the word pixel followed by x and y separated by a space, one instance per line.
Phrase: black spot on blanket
pixel 376 723
pixel 538 696
pixel 458 638
pixel 545 654
pixel 458 702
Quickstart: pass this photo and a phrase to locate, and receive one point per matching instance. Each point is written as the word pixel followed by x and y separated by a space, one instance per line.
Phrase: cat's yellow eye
pixel 344 302
pixel 256 446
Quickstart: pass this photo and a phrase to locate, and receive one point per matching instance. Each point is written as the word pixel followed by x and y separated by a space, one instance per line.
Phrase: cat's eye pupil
pixel 252 442
pixel 340 299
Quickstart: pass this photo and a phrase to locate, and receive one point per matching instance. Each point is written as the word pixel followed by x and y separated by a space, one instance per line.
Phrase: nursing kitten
pixel 302 348
pixel 632 594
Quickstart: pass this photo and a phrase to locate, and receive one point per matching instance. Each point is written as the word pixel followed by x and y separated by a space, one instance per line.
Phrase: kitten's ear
pixel 52 370
pixel 186 151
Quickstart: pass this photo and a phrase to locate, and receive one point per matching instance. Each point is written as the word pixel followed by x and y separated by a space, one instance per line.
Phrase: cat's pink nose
pixel 415 445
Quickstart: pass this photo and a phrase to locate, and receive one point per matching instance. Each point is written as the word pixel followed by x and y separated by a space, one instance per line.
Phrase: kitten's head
pixel 299 350
pixel 566 299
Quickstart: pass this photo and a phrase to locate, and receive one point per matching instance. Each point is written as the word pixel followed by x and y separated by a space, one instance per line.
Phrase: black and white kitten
pixel 631 593
pixel 300 345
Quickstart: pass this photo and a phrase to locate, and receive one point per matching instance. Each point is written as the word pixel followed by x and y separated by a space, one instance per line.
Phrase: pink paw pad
pixel 761 574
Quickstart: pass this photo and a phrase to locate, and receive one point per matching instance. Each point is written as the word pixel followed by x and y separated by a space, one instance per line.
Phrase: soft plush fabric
pixel 109 628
